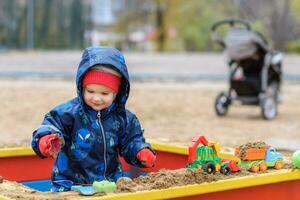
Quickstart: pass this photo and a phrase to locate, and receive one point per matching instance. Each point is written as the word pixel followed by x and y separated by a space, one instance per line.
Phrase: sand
pixel 169 112
pixel 162 179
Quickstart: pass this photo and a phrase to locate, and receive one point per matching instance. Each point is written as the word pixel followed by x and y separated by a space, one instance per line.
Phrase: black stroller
pixel 255 69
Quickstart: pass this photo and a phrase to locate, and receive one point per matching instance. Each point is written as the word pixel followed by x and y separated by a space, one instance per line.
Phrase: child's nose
pixel 97 98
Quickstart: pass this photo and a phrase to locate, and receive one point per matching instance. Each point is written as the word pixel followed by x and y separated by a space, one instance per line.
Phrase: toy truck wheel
pixel 209 168
pixel 225 170
pixel 263 166
pixel 254 168
pixel 278 164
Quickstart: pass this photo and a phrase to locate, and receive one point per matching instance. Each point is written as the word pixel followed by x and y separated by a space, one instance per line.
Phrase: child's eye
pixel 90 91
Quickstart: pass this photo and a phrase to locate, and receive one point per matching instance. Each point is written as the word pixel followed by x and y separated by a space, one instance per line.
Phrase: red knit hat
pixel 102 78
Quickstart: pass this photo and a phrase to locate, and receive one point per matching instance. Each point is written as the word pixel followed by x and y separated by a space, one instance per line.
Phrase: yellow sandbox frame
pixel 271 179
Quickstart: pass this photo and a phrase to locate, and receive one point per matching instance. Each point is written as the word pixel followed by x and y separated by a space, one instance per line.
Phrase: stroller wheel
pixel 269 108
pixel 222 104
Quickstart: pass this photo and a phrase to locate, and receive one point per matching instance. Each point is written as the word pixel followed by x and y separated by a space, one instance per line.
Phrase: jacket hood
pixel 106 56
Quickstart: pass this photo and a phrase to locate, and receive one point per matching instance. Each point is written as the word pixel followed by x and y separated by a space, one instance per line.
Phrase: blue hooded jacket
pixel 93 140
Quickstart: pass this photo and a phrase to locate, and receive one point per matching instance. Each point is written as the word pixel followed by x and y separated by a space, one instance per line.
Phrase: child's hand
pixel 50 145
pixel 146 157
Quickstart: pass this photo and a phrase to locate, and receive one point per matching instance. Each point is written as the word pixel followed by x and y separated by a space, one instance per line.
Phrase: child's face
pixel 98 97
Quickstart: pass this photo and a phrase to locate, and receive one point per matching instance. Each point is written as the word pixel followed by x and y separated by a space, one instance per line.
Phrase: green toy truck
pixel 206 157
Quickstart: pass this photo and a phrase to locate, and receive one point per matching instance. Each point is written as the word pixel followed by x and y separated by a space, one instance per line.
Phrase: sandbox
pixel 22 165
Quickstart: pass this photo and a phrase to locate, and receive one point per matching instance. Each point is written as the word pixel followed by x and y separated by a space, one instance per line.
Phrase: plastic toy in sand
pixel 207 157
pixel 258 156
pixel 96 187
pixel 296 158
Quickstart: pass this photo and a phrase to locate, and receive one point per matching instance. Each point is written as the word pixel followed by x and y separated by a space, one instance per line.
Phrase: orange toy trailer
pixel 259 159
pixel 251 154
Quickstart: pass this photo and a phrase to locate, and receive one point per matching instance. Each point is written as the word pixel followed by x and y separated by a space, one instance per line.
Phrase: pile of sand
pixel 154 180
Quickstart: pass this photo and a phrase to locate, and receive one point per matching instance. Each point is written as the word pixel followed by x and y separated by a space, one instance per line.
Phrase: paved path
pixel 141 66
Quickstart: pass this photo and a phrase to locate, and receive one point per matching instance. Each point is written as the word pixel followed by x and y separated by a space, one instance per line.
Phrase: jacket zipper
pixel 104 143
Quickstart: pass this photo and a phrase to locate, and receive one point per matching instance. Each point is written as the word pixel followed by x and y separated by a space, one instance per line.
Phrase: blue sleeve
pixel 132 140
pixel 52 123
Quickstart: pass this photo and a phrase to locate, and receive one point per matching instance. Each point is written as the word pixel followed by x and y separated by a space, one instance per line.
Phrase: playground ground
pixel 170 112
pixel 174 103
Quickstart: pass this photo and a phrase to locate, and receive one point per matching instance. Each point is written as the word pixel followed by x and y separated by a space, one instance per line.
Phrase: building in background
pixel 103 19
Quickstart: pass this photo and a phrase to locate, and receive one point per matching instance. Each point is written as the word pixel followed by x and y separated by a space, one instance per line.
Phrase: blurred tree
pixel 43 27
pixel 138 16
pixel 294 45
pixel 77 24
pixel 276 16
pixel 160 10
pixel 57 24
pixel 185 23
pixel 164 25
pixel 193 20
pixel 295 6
pixel 11 15
pixel 60 24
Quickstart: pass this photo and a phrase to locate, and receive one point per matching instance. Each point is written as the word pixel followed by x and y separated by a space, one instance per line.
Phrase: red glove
pixel 50 145
pixel 146 157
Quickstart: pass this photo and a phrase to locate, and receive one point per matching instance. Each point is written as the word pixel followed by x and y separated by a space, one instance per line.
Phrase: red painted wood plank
pixel 25 168
pixel 28 168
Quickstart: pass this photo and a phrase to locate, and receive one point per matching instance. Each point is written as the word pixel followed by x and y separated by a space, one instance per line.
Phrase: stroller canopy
pixel 242 43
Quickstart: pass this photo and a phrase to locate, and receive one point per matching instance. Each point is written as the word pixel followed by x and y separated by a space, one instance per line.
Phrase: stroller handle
pixel 231 22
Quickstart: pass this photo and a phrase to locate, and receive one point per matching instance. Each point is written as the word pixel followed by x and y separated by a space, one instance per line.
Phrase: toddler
pixel 86 134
